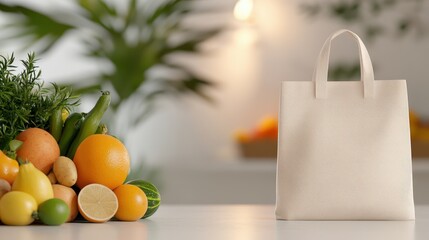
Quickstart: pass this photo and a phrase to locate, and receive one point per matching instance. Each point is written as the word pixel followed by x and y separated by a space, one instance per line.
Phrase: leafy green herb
pixel 24 101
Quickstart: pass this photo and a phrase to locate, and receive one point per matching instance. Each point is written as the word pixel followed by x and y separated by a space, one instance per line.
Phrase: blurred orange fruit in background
pixel 101 159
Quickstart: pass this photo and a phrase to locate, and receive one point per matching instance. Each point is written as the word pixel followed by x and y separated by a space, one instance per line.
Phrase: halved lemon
pixel 97 203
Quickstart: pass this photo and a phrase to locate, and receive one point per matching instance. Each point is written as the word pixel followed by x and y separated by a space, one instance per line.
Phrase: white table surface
pixel 225 222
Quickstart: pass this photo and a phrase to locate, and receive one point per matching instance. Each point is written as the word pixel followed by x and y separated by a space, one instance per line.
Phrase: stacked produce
pixel 419 129
pixel 261 141
pixel 55 163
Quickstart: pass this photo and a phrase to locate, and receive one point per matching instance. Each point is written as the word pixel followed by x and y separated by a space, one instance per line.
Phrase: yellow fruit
pixel 97 203
pixel 132 202
pixel 101 159
pixel 68 195
pixel 267 124
pixel 241 136
pixel 34 182
pixel 17 208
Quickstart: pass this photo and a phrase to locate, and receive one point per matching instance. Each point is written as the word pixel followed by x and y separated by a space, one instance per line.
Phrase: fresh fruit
pixel 91 122
pixel 17 208
pixel 52 177
pixel 132 202
pixel 97 203
pixel 39 147
pixel 267 129
pixel 414 124
pixel 4 187
pixel 152 194
pixel 56 123
pixel 68 195
pixel 8 168
pixel 53 212
pixel 71 128
pixel 65 171
pixel 241 136
pixel 32 181
pixel 101 159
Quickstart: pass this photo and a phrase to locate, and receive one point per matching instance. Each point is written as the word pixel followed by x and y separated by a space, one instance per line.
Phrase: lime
pixel 53 212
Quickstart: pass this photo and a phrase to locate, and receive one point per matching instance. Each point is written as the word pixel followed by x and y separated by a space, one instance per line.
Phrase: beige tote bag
pixel 344 149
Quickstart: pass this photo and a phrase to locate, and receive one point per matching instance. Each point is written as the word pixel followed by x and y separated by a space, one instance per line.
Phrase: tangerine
pixel 132 202
pixel 101 159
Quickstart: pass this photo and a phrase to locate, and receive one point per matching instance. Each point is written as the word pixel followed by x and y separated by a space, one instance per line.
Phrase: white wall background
pixel 248 63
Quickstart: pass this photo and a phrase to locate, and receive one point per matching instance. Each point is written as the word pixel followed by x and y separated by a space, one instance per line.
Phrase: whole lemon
pixel 17 208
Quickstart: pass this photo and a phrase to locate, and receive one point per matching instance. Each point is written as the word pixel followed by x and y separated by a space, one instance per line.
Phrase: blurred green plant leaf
pixel 128 42
pixel 35 26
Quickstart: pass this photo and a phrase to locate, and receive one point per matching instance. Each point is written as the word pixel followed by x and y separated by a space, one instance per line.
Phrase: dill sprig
pixel 24 101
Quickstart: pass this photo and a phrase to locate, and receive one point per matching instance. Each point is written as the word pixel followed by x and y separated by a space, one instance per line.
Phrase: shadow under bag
pixel 344 150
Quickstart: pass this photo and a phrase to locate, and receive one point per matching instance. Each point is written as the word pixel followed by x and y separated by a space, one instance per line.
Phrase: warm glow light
pixel 243 10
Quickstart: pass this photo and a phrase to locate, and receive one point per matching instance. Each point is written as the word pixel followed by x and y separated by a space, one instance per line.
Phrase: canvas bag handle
pixel 320 76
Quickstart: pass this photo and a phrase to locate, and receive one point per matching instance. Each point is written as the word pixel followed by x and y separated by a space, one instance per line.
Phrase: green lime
pixel 53 212
pixel 152 194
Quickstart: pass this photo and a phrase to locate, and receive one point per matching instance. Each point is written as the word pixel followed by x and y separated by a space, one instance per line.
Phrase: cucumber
pixel 91 122
pixel 56 123
pixel 71 128
pixel 152 194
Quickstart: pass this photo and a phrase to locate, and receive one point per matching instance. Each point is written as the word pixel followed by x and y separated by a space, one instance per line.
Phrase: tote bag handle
pixel 320 76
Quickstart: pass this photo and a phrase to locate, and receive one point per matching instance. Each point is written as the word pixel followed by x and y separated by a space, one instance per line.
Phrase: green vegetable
pixel 56 123
pixel 91 122
pixel 53 212
pixel 71 128
pixel 152 194
pixel 24 102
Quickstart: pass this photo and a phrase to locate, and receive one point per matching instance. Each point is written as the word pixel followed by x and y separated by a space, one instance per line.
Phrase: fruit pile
pixel 74 168
pixel 266 129
pixel 419 129
pixel 260 142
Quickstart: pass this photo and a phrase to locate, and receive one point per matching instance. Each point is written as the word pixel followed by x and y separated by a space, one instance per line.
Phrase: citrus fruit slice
pixel 97 203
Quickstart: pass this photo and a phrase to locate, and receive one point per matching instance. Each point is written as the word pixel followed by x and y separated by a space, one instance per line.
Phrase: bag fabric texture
pixel 344 150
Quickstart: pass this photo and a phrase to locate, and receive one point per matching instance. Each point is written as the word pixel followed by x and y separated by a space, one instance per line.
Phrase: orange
pixel 267 128
pixel 8 168
pixel 68 195
pixel 97 203
pixel 39 147
pixel 101 159
pixel 132 202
